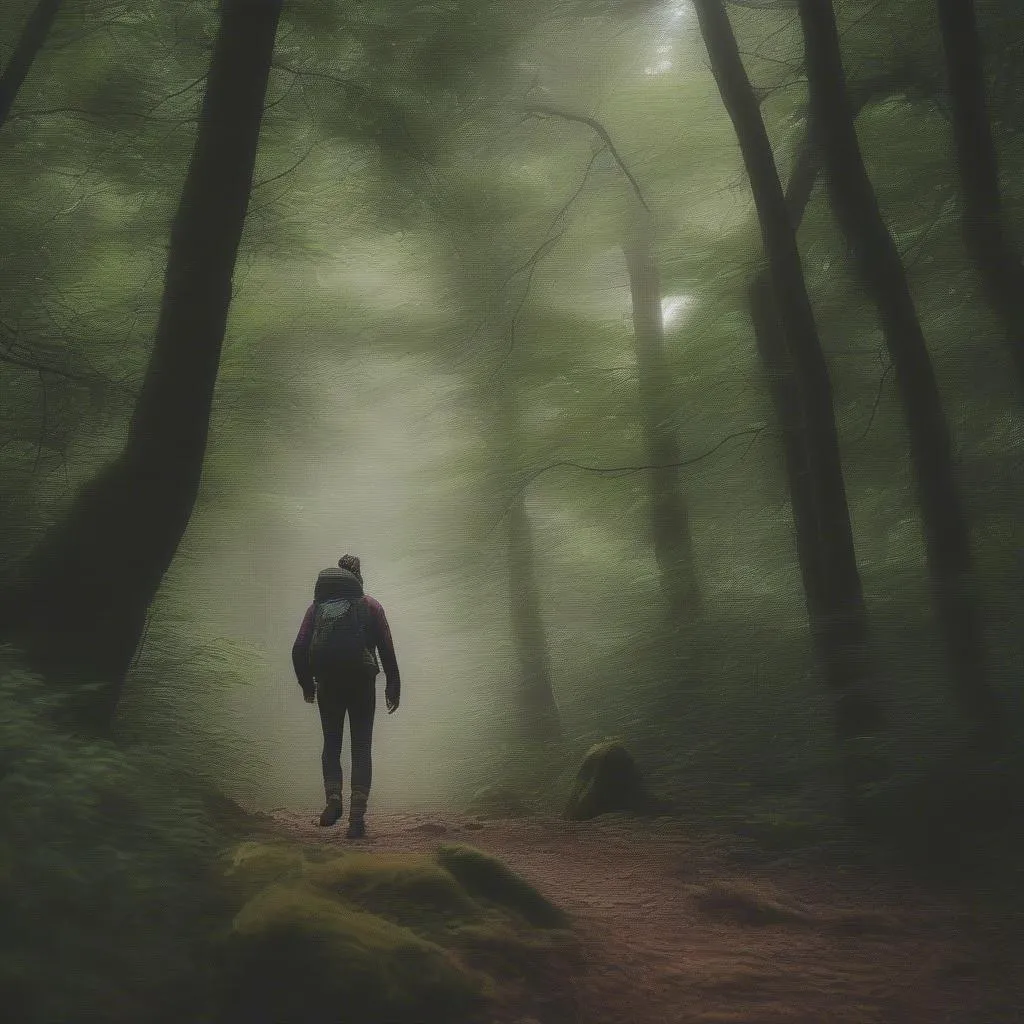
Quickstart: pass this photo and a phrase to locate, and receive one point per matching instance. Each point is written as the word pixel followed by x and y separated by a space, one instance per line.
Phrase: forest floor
pixel 678 927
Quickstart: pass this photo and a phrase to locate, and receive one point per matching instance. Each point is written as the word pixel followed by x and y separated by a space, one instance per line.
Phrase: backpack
pixel 340 636
pixel 341 629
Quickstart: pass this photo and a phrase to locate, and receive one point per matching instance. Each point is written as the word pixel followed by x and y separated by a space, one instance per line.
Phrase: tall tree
pixel 535 695
pixel 784 387
pixel 30 42
pixel 669 512
pixel 984 226
pixel 837 610
pixel 946 532
pixel 79 604
pixel 671 536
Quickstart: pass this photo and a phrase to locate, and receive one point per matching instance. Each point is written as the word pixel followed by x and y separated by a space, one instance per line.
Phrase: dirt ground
pixel 675 928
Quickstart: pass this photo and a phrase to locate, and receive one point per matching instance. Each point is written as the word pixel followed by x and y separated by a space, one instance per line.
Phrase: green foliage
pixel 406 213
pixel 105 856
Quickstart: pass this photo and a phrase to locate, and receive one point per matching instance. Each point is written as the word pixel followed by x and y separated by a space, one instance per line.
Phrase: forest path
pixel 676 929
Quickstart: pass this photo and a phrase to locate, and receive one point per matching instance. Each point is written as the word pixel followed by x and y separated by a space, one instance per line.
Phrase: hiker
pixel 335 659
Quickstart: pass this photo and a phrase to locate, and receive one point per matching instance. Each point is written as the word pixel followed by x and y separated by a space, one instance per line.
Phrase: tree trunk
pixel 984 228
pixel 828 560
pixel 786 394
pixel 785 391
pixel 30 42
pixel 540 719
pixel 670 517
pixel 878 261
pixel 80 605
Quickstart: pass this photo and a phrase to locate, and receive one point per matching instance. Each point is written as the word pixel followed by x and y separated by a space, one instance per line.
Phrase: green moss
pixel 296 954
pixel 412 889
pixel 400 938
pixel 253 865
pixel 487 878
pixel 608 780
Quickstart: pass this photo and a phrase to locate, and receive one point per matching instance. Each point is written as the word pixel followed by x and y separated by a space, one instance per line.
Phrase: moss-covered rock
pixel 296 954
pixel 402 938
pixel 253 865
pixel 608 780
pixel 487 878
pixel 410 889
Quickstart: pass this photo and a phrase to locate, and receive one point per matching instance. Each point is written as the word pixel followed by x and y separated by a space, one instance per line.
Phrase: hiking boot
pixel 356 829
pixel 332 812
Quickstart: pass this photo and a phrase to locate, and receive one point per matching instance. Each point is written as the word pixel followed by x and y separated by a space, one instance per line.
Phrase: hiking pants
pixel 357 697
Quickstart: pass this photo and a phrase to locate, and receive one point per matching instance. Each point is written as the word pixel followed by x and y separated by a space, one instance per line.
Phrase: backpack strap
pixel 363 611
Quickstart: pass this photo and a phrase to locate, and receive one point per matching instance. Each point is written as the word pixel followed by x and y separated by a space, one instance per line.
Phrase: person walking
pixel 335 656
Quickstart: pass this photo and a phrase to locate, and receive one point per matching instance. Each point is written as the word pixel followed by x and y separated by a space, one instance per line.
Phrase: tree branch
pixel 547 110
pixel 642 467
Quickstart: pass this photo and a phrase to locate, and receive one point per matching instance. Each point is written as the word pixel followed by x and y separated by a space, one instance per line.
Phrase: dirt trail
pixel 676 930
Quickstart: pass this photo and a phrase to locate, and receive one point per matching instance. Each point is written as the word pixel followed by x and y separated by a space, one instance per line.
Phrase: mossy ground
pixel 397 937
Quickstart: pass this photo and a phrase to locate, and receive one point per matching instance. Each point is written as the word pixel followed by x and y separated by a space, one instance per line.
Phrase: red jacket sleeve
pixel 300 650
pixel 384 644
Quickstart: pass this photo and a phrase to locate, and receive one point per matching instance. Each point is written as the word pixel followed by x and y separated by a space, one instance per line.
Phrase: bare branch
pixel 346 83
pixel 877 402
pixel 547 110
pixel 643 467
pixel 97 115
pixel 534 259
pixel 764 5
pixel 619 471
pixel 288 170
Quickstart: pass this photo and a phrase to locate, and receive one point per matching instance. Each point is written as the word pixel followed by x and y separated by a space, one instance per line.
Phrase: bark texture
pixel 785 389
pixel 984 227
pixel 789 342
pixel 670 515
pixel 946 533
pixel 540 720
pixel 80 603
pixel 30 42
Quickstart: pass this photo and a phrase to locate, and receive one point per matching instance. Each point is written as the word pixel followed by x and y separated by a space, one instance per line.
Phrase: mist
pixel 662 363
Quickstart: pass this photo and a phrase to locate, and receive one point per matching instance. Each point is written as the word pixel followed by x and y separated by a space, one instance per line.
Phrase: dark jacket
pixel 341 583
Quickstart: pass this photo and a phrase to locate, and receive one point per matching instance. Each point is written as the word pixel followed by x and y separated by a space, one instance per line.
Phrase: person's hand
pixel 309 694
pixel 391 701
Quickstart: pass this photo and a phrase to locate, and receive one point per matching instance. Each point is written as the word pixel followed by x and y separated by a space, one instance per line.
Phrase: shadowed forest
pixel 662 361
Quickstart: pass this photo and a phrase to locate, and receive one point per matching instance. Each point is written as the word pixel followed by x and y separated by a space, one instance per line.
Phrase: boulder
pixel 608 780
pixel 401 938
pixel 295 954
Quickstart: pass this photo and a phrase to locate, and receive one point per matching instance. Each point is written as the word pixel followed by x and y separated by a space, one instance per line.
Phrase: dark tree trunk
pixel 795 361
pixel 540 720
pixel 670 516
pixel 878 261
pixel 80 606
pixel 984 228
pixel 30 42
pixel 785 390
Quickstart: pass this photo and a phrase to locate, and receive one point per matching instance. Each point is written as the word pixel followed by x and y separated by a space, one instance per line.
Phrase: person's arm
pixel 386 648
pixel 300 654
